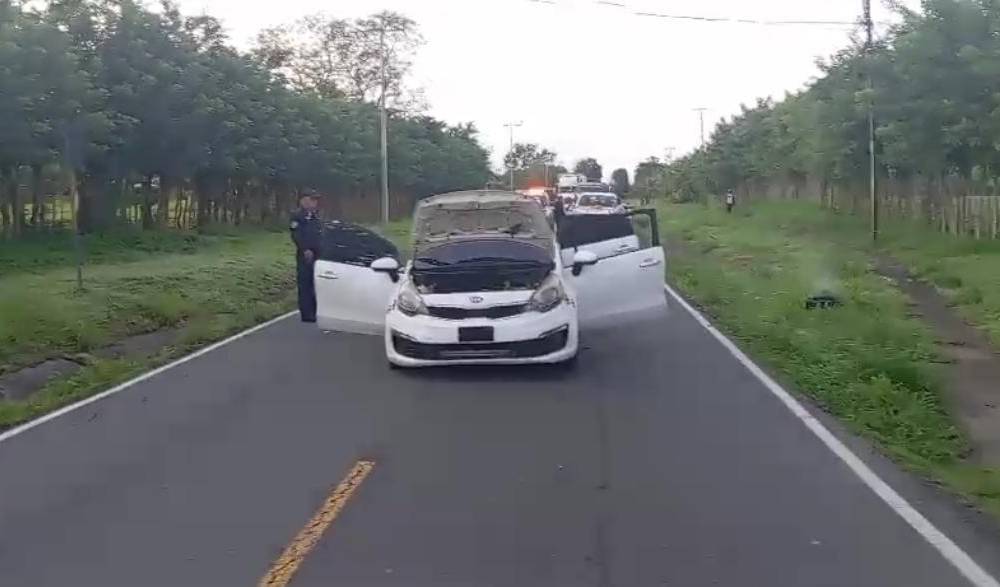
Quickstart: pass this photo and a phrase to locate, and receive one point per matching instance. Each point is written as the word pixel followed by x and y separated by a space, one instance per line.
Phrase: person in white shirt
pixel 730 200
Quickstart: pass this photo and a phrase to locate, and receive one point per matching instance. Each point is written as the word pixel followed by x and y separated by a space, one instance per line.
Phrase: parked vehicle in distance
pixel 487 283
pixel 598 203
pixel 592 187
pixel 567 181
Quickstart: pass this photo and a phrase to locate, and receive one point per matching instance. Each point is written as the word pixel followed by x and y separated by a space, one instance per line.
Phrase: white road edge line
pixel 948 549
pixel 147 375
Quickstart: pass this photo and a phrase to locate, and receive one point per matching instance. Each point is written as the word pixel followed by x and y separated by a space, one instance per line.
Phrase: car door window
pixel 646 227
pixel 578 230
pixel 608 235
pixel 343 242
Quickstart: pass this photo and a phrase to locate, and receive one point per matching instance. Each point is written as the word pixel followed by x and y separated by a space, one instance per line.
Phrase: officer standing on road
pixel 307 229
pixel 558 210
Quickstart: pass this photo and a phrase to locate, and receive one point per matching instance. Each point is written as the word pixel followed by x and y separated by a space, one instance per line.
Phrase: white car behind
pixel 599 203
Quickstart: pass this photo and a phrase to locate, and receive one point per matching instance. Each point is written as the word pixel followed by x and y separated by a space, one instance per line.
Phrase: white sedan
pixel 487 284
pixel 599 203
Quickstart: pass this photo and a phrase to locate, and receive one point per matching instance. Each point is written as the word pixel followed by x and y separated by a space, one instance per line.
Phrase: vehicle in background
pixel 567 181
pixel 566 187
pixel 539 194
pixel 592 187
pixel 488 283
pixel 598 203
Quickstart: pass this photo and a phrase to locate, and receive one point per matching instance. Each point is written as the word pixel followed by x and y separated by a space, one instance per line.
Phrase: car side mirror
pixel 386 265
pixel 582 259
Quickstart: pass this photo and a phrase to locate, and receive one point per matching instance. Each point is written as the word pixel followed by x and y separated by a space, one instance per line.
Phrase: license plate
pixel 475 334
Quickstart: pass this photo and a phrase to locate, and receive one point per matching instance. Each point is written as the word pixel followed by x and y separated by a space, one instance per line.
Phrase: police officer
pixel 307 229
pixel 559 210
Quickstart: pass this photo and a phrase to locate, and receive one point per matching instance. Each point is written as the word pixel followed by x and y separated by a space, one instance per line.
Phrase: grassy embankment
pixel 965 269
pixel 868 362
pixel 205 286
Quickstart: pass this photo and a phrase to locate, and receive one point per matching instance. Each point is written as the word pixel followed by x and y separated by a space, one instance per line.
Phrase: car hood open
pixel 454 219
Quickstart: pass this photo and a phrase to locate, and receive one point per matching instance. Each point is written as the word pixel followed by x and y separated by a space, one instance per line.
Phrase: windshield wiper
pixel 431 261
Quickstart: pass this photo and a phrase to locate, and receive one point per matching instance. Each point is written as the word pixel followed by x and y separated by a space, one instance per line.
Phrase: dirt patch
pixel 20 384
pixel 142 345
pixel 972 369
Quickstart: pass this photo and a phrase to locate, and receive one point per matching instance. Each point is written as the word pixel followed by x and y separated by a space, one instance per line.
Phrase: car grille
pixel 522 349
pixel 450 313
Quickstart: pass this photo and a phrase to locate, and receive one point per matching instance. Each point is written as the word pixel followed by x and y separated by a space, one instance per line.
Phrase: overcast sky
pixel 585 77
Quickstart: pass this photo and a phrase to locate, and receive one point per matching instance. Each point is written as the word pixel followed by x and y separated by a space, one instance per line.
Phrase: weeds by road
pixel 965 269
pixel 206 286
pixel 867 362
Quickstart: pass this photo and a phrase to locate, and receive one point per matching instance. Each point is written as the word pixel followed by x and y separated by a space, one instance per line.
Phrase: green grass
pixel 41 251
pixel 43 315
pixel 965 269
pixel 866 362
pixel 91 379
pixel 399 232
pixel 207 286
pixel 218 286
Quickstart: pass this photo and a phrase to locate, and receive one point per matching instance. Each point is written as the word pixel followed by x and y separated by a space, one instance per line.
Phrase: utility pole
pixel 701 123
pixel 74 195
pixel 867 4
pixel 511 126
pixel 384 128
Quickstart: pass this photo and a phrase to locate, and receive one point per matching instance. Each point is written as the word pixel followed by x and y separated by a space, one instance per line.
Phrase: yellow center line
pixel 281 572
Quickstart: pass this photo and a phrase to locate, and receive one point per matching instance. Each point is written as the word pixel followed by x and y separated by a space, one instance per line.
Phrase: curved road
pixel 660 461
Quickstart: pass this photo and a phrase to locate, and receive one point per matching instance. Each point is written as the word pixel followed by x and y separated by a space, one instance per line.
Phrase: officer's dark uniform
pixel 558 210
pixel 307 231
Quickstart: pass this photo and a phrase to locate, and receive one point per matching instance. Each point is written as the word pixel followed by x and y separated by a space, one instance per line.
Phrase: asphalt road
pixel 660 461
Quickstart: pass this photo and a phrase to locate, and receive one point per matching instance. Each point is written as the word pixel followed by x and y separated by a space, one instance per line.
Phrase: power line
pixel 726 19
pixel 717 19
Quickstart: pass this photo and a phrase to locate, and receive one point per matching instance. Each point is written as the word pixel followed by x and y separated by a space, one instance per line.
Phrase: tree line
pixel 151 115
pixel 935 88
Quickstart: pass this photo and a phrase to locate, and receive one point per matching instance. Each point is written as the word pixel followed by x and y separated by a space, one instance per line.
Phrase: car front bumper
pixel 532 337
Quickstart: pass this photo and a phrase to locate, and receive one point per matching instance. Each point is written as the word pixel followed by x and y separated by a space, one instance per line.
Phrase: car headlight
pixel 409 301
pixel 548 295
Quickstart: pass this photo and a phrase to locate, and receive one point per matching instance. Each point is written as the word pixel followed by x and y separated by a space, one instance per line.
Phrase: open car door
pixel 350 295
pixel 605 235
pixel 626 283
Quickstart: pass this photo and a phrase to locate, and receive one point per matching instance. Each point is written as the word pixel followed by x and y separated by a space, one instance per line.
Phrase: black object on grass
pixel 823 301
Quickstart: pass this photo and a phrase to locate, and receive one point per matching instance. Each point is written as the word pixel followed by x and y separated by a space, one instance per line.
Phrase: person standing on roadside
pixel 558 210
pixel 730 201
pixel 307 229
